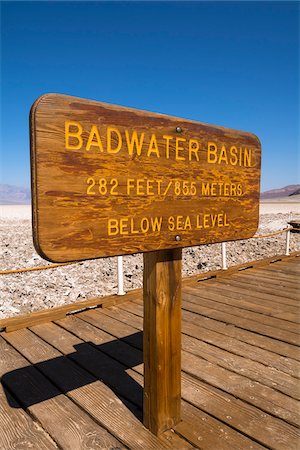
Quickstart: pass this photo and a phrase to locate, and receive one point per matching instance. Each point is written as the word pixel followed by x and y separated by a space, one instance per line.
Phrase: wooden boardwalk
pixel 76 383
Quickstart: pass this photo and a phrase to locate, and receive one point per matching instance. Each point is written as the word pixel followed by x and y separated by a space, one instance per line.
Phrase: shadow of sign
pixel 89 363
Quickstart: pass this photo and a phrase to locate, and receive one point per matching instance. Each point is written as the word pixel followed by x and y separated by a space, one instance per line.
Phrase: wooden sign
pixel 109 180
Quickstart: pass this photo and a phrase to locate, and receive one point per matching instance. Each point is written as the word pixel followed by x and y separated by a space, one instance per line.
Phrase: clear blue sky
pixel 233 64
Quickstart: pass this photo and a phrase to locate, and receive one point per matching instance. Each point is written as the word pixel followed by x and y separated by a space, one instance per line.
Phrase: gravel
pixel 30 291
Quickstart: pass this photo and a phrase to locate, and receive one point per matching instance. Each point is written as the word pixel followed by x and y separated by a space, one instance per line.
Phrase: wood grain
pixel 44 400
pixel 97 194
pixel 162 339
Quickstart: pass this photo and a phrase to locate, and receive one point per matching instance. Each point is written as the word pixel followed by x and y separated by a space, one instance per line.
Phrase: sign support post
pixel 162 339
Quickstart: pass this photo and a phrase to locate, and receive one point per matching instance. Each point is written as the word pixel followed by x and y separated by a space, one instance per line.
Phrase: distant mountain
pixel 13 195
pixel 297 192
pixel 292 189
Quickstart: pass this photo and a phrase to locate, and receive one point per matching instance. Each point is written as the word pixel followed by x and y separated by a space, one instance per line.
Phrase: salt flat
pixel 280 205
pixel 15 212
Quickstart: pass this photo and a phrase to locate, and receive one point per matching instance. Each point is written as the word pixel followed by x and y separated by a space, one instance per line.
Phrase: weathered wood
pixel 207 433
pixel 47 315
pixel 263 428
pixel 237 390
pixel 201 330
pixel 109 180
pixel 44 400
pixel 260 386
pixel 95 399
pixel 18 430
pixel 162 339
pixel 248 300
pixel 218 301
pixel 245 335
pixel 256 295
pixel 239 321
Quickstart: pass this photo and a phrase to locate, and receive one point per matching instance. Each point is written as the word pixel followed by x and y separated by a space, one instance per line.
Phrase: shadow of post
pixel 38 382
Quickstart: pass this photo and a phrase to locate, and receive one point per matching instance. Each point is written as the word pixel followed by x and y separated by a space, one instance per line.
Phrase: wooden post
pixel 162 339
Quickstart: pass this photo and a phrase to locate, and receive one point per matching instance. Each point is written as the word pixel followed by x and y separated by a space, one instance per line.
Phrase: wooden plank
pixel 44 401
pixel 259 294
pixel 274 260
pixel 110 325
pixel 264 342
pixel 253 392
pixel 58 312
pixel 244 335
pixel 266 396
pixel 277 281
pixel 109 180
pixel 263 428
pixel 100 364
pixel 254 370
pixel 122 352
pixel 240 321
pixel 285 276
pixel 117 349
pixel 242 299
pixel 207 433
pixel 18 430
pixel 236 346
pixel 221 303
pixel 259 282
pixel 93 396
pixel 98 361
pixel 162 339
pixel 270 423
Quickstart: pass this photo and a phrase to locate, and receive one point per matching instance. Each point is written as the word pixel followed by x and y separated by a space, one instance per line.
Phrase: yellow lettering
pixel 226 189
pixel 94 133
pixel 130 185
pixel 193 149
pixel 223 155
pixel 145 224
pixel 188 225
pixel 233 152
pixel 73 134
pixel 206 220
pixel 156 223
pixel 150 187
pixel 113 227
pixel 179 223
pixel 211 153
pixel 110 131
pixel 205 189
pixel 140 186
pixel 220 220
pixel 179 148
pixel 213 188
pixel 247 157
pixel 168 139
pixel 134 142
pixel 123 225
pixel 233 190
pixel 153 148
pixel 171 222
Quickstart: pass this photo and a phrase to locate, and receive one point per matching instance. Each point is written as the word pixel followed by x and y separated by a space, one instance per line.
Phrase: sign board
pixel 109 180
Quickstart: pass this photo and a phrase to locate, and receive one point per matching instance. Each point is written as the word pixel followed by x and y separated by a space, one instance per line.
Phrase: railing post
pixel 223 250
pixel 120 276
pixel 287 239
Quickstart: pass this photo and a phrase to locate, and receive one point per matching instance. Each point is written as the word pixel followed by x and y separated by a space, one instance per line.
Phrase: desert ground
pixel 30 291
